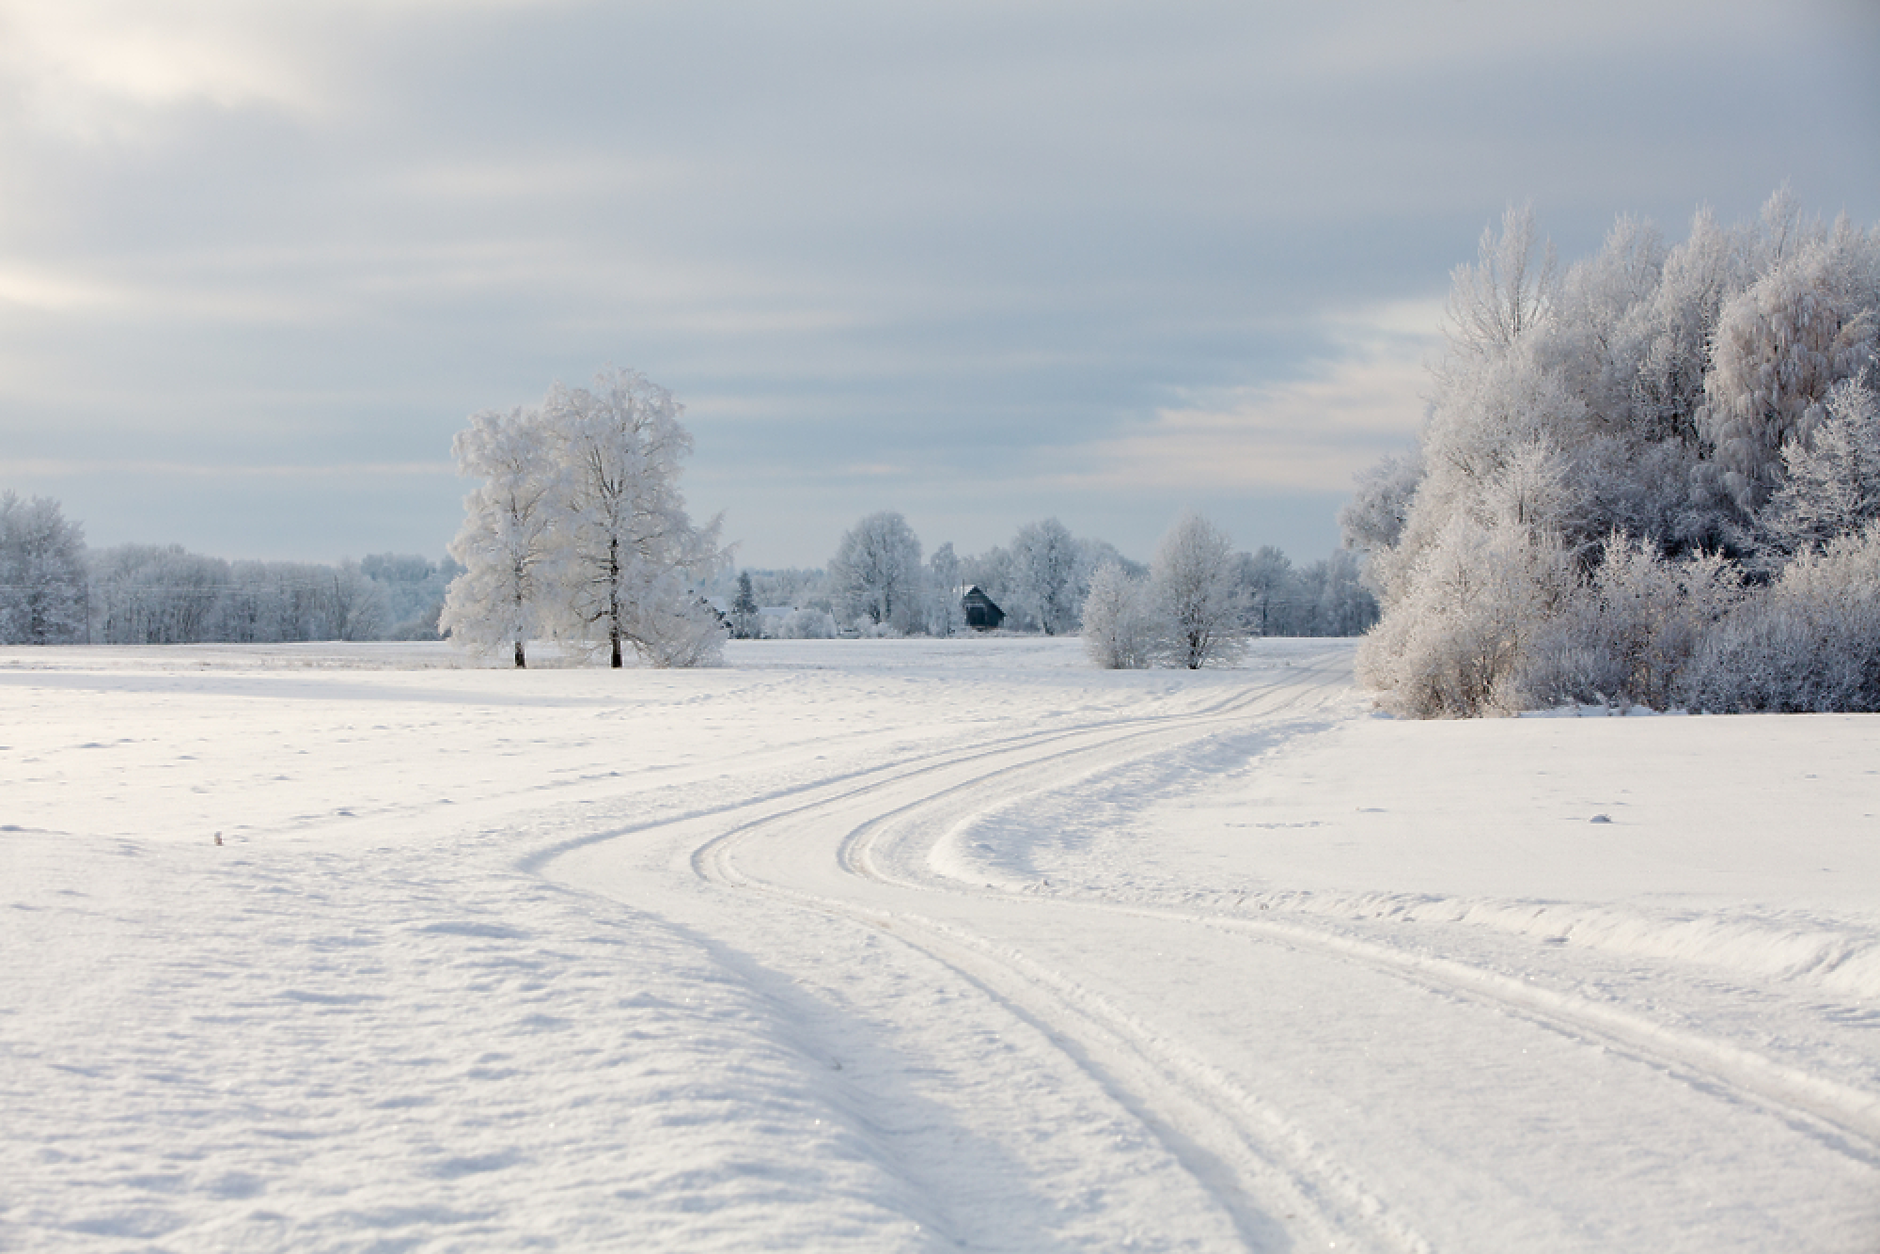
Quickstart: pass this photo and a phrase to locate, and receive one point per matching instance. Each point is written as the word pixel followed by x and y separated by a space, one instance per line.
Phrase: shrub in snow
pixel 1623 635
pixel 1119 628
pixel 1810 642
pixel 807 625
pixel 1455 643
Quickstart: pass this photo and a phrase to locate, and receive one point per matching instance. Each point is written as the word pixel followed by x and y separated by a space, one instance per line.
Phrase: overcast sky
pixel 982 263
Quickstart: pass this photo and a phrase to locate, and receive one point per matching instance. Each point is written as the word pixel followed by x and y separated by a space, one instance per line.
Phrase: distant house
pixel 981 613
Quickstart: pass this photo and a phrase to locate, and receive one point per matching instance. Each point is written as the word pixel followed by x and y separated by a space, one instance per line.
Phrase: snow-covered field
pixel 860 945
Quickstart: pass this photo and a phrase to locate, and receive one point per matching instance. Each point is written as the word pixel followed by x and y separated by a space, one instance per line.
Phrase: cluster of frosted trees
pixel 149 594
pixel 1190 610
pixel 877 583
pixel 576 531
pixel 1194 605
pixel 53 590
pixel 164 594
pixel 1045 580
pixel 1652 479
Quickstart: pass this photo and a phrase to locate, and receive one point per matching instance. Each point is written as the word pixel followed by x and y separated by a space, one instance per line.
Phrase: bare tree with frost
pixel 1047 575
pixel 1196 595
pixel 875 577
pixel 630 562
pixel 508 542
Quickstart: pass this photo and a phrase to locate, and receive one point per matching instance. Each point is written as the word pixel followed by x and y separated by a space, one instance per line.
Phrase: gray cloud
pixel 971 261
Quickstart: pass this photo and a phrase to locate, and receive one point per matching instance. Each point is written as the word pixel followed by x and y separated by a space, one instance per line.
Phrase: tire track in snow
pixel 1237 1147
pixel 1842 1117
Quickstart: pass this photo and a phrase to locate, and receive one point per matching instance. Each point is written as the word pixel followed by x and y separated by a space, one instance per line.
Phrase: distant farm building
pixel 981 613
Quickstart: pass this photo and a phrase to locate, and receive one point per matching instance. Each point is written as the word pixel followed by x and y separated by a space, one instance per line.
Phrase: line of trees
pixel 1652 480
pixel 1046 580
pixel 53 590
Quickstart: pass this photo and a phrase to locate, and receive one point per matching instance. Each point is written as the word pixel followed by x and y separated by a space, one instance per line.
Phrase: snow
pixel 918 945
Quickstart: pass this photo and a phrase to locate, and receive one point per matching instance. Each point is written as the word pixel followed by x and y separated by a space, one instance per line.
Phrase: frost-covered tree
pixel 1047 576
pixel 508 543
pixel 946 615
pixel 1373 519
pixel 1266 578
pixel 630 561
pixel 1195 594
pixel 1121 630
pixel 876 577
pixel 42 573
pixel 578 529
pixel 1652 409
pixel 1831 487
pixel 1778 349
pixel 358 606
pixel 413 588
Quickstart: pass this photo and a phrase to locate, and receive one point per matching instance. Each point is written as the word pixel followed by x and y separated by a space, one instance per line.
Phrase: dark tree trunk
pixel 521 662
pixel 613 599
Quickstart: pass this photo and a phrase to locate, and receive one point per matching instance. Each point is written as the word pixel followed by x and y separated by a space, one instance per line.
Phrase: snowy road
pixel 921 946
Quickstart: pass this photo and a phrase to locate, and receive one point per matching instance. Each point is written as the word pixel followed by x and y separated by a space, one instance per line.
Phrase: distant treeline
pixel 877 582
pixel 53 590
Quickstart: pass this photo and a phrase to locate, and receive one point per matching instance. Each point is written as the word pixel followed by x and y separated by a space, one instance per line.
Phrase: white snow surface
pixel 915 945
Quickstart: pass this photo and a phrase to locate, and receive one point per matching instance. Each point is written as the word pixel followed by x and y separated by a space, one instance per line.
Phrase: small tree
pixel 1193 588
pixel 946 615
pixel 1119 627
pixel 744 609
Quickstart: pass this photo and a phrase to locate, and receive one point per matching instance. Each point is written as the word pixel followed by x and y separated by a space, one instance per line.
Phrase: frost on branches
pixel 1634 476
pixel 42 573
pixel 1196 595
pixel 578 530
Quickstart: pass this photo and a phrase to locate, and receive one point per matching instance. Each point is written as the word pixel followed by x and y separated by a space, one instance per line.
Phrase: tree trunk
pixel 521 662
pixel 613 599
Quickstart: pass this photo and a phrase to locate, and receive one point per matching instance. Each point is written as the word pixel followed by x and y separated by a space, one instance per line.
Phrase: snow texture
pixel 918 945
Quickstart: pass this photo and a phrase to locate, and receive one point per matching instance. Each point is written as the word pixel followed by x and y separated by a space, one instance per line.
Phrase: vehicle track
pixel 1166 1087
pixel 1841 1116
pixel 1241 1149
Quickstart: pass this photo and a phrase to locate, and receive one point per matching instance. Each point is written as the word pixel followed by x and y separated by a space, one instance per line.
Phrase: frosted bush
pixel 1811 642
pixel 1119 629
pixel 807 625
pixel 1624 634
pixel 1454 645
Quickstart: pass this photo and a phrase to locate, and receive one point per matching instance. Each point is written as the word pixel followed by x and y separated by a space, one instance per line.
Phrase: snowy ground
pixel 918 946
